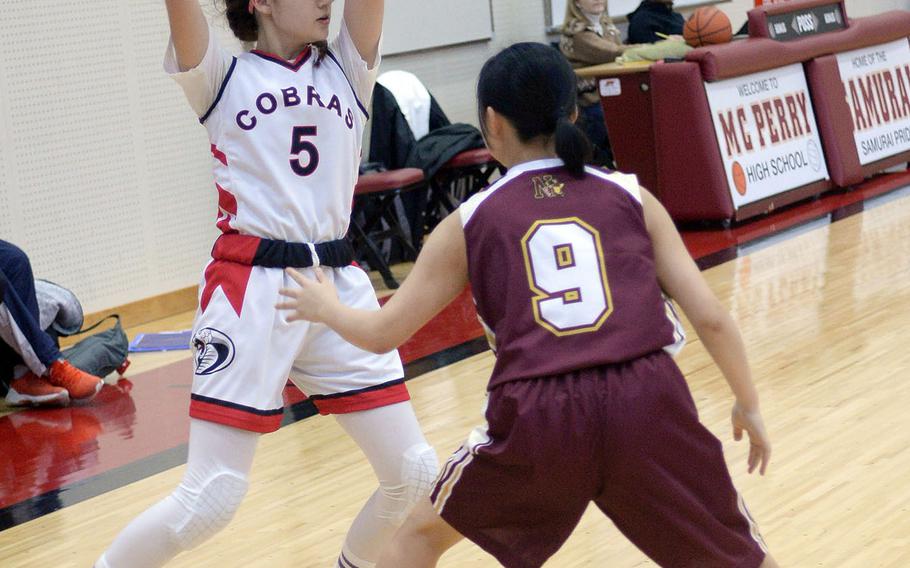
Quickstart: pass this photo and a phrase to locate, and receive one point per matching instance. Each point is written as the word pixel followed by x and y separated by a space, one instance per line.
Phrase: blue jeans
pixel 591 120
pixel 23 339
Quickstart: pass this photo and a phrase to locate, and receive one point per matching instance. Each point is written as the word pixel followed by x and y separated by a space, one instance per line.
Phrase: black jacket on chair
pixel 441 145
pixel 391 139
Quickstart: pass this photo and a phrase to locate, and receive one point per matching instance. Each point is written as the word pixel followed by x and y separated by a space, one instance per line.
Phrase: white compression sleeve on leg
pixel 220 458
pixel 406 467
pixel 211 509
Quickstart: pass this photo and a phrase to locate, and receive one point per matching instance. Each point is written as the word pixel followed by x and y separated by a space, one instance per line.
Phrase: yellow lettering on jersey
pixel 547 186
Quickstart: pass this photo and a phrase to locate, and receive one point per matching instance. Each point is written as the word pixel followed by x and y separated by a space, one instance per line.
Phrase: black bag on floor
pixel 102 353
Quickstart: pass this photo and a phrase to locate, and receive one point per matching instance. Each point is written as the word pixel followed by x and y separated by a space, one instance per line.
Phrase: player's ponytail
pixel 533 87
pixel 572 146
pixel 242 22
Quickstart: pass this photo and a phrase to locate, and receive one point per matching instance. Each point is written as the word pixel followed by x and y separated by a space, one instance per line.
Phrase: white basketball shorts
pixel 246 350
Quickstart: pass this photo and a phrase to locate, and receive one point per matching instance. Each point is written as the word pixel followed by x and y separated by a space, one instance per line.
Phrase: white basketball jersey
pixel 286 142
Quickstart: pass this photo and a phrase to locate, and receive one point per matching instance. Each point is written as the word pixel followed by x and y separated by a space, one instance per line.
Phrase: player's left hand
pixel 312 300
pixel 752 423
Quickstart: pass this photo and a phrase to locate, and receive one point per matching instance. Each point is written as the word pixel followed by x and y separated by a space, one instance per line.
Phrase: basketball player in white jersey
pixel 285 123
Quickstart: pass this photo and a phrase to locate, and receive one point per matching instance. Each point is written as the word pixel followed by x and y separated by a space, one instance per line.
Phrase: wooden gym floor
pixel 824 310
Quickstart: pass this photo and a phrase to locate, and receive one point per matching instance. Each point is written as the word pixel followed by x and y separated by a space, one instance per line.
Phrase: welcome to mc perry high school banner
pixel 766 133
pixel 877 84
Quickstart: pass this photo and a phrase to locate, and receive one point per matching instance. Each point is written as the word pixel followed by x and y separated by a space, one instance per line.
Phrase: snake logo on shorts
pixel 214 351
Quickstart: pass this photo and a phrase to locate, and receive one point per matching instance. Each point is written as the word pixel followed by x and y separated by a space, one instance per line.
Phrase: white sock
pixel 349 560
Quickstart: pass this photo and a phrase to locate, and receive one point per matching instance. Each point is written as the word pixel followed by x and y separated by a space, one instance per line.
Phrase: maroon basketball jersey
pixel 562 271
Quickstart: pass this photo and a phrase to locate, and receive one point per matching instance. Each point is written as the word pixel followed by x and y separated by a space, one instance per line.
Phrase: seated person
pixel 590 38
pixel 49 379
pixel 654 20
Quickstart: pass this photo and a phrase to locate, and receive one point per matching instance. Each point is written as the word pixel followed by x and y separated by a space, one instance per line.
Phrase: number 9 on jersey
pixel 565 266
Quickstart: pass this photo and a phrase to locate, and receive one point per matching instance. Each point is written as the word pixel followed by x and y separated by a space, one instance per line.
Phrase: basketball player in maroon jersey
pixel 566 264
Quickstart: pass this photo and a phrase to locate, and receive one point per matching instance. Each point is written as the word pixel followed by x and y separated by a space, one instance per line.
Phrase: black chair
pixel 376 222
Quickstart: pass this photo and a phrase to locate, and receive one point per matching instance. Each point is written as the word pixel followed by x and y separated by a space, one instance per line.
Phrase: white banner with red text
pixel 767 133
pixel 877 82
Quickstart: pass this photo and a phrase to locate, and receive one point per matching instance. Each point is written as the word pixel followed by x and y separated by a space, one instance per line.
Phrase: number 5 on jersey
pixel 565 265
pixel 300 146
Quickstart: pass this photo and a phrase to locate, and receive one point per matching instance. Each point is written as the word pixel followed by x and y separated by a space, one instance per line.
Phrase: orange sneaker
pixel 32 390
pixel 81 385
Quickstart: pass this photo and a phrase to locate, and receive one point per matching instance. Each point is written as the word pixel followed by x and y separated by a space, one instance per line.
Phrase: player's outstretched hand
pixel 759 444
pixel 312 300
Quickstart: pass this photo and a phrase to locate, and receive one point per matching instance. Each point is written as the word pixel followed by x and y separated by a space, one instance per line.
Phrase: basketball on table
pixel 707 26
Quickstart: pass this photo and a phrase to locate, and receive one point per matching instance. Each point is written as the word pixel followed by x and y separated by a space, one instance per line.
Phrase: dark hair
pixel 246 27
pixel 534 87
pixel 243 24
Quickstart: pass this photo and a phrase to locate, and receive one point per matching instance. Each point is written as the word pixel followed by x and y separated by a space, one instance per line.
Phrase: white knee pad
pixel 419 467
pixel 212 509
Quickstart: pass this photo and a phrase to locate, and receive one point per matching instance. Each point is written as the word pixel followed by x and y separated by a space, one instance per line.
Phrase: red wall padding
pixel 834 123
pixel 691 178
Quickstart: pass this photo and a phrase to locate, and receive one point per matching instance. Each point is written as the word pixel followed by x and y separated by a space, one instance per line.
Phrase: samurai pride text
pixel 879 98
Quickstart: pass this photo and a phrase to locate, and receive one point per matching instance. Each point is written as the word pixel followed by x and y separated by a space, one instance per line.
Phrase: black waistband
pixel 270 253
pixel 281 254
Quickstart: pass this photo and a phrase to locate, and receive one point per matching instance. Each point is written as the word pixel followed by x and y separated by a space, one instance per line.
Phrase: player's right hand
pixel 759 444
pixel 312 300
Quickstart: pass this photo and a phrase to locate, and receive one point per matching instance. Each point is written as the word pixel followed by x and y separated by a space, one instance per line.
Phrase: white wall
pixel 106 178
pixel 104 171
pixel 451 74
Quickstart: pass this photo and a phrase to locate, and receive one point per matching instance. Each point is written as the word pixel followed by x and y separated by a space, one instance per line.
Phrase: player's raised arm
pixel 440 274
pixel 189 32
pixel 682 280
pixel 364 22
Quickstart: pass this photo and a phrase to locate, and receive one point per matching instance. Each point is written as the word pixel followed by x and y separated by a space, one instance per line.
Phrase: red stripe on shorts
pixel 236 417
pixel 231 277
pixel 364 400
pixel 236 248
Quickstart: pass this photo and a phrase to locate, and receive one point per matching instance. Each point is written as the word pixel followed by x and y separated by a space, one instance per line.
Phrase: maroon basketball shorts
pixel 624 436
